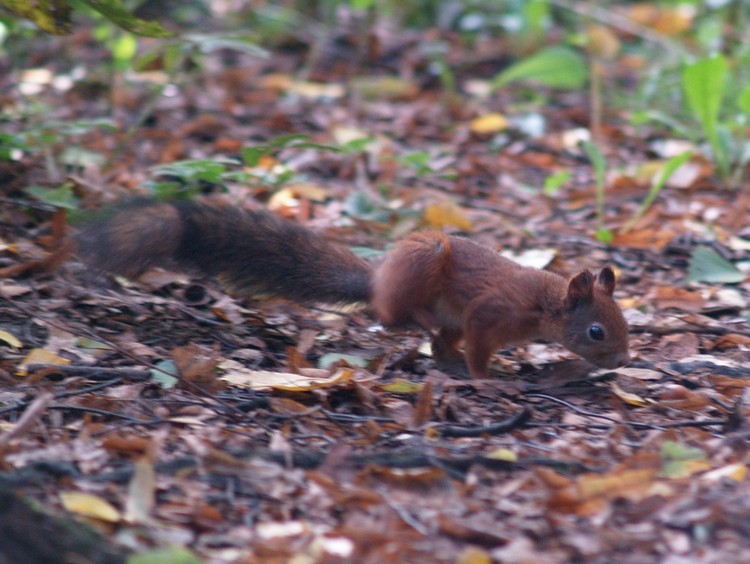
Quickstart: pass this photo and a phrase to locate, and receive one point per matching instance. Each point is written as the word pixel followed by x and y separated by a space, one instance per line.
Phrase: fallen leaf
pixel 265 380
pixel 89 505
pixel 488 123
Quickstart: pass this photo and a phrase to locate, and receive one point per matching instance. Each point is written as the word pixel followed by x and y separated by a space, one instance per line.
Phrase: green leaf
pixel 401 386
pixel 124 49
pixel 666 171
pixel 599 162
pixel 605 236
pixel 165 373
pixel 52 16
pixel 327 360
pixel 703 83
pixel 169 555
pixel 707 266
pixel 61 197
pixel 743 100
pixel 208 42
pixel 195 170
pixel 554 182
pixel 114 11
pixel 78 156
pixel 556 67
pixel 679 460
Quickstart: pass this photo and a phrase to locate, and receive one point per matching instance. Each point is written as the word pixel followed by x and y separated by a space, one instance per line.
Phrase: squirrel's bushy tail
pixel 250 252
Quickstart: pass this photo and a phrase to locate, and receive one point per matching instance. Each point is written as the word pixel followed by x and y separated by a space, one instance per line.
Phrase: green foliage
pixel 679 460
pixel 418 161
pixel 56 142
pixel 657 185
pixel 189 177
pixel 704 85
pixel 556 67
pixel 54 16
pixel 329 359
pixel 251 156
pixel 61 197
pixel 168 555
pixel 165 373
pixel 706 265
pixel 600 171
pixel 555 181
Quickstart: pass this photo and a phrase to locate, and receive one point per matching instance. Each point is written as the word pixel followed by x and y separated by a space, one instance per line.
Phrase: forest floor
pixel 381 457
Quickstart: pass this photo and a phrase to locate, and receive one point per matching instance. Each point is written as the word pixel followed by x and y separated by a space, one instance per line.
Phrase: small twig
pixel 93 372
pixel 635 425
pixel 406 517
pixel 686 328
pixel 513 422
pixel 348 418
pixel 105 413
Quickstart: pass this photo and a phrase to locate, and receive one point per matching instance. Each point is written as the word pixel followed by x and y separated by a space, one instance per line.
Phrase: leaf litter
pixel 195 413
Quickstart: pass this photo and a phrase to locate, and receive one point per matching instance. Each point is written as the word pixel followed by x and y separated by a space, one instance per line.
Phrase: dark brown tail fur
pixel 251 252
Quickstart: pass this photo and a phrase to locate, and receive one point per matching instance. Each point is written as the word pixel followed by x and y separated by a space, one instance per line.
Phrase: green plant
pixel 600 172
pixel 723 122
pixel 187 178
pixel 556 67
pixel 657 185
pixel 54 140
pixel 55 17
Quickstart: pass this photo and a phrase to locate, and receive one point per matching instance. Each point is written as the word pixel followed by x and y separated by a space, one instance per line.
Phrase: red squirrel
pixel 450 285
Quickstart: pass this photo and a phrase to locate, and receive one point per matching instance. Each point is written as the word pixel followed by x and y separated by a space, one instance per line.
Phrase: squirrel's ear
pixel 580 289
pixel 606 280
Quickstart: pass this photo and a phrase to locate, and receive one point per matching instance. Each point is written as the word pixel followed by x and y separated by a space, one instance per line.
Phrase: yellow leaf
pixel 602 42
pixel 474 555
pixel 446 213
pixel 401 386
pixel 40 356
pixel 503 454
pixel 315 90
pixel 10 339
pixel 89 505
pixel 288 197
pixel 489 123
pixel 735 472
pixel 384 87
pixel 629 398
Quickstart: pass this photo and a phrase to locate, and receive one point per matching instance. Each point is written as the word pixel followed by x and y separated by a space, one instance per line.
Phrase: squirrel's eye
pixel 596 332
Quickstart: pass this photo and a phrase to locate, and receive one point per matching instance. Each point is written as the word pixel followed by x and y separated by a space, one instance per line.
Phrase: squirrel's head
pixel 594 327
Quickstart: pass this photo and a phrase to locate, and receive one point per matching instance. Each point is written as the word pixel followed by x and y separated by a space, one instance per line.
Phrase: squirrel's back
pixel 250 252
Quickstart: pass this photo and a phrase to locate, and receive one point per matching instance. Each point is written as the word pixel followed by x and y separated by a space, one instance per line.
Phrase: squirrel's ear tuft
pixel 606 280
pixel 580 289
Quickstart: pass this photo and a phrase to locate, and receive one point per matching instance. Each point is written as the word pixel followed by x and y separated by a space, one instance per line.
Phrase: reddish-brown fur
pixel 467 292
pixel 456 288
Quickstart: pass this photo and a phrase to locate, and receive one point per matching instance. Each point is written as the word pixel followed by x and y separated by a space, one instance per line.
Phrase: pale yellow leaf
pixel 89 505
pixel 40 356
pixel 736 472
pixel 446 213
pixel 630 398
pixel 265 380
pixel 503 454
pixel 141 493
pixel 10 339
pixel 315 90
pixel 489 123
